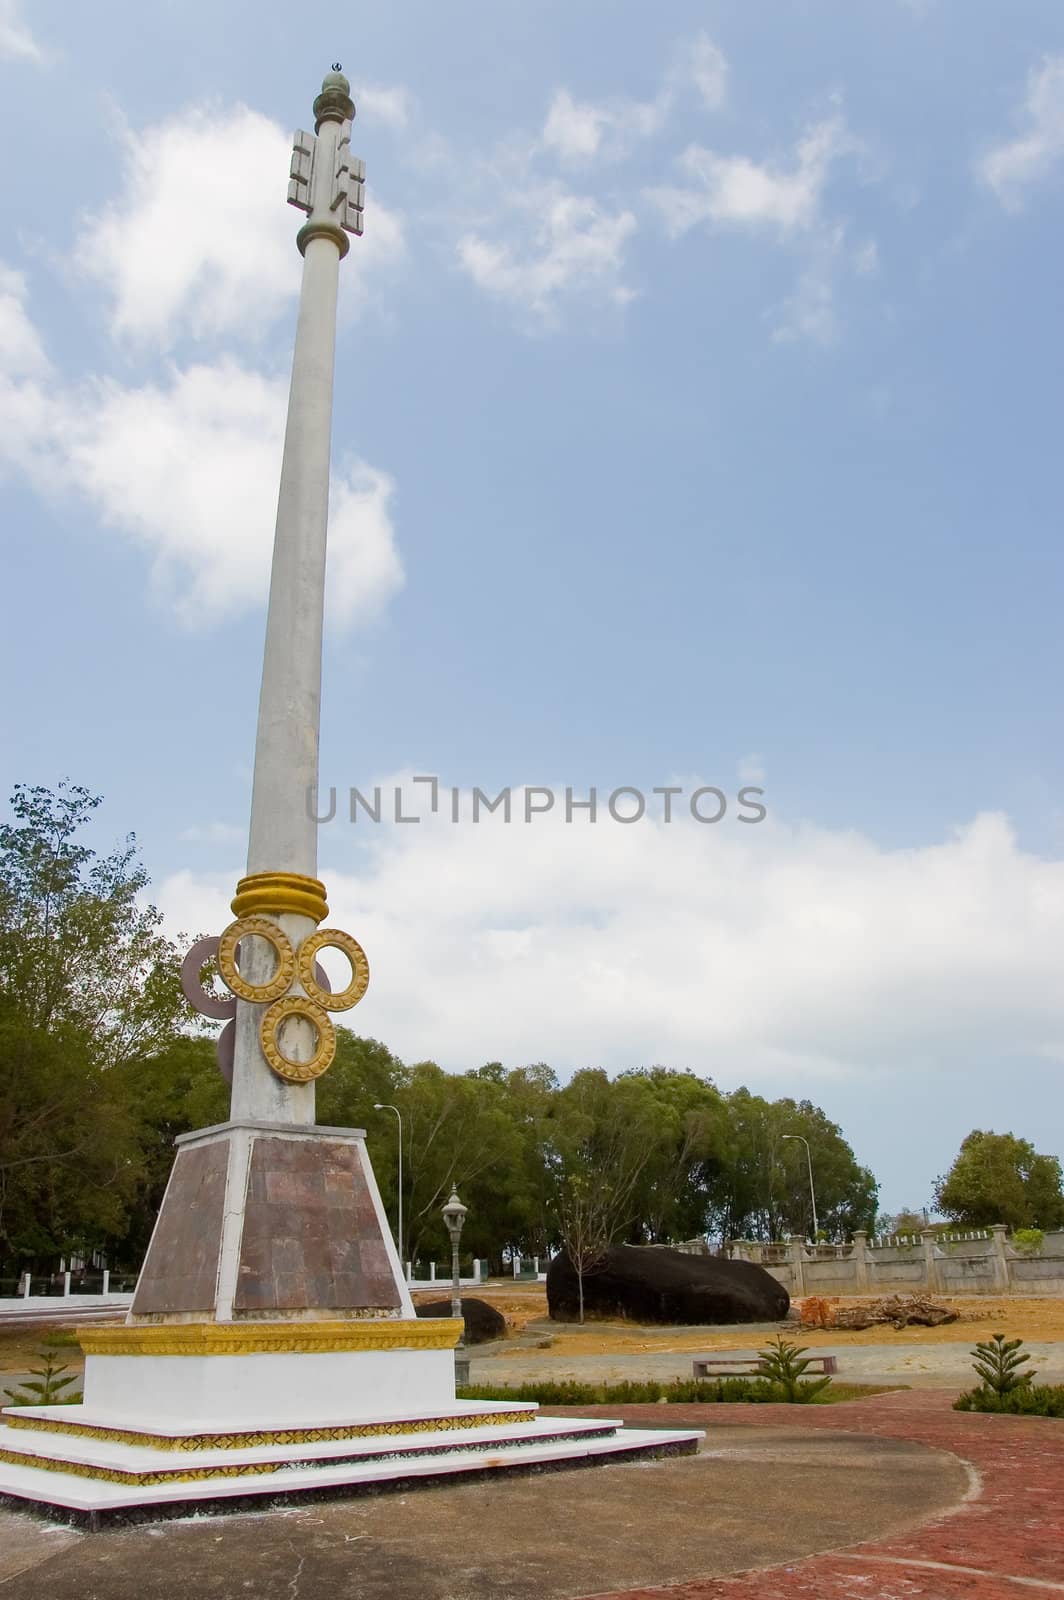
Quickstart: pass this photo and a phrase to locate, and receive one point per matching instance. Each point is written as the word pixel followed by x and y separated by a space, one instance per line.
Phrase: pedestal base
pixel 66 1463
pixel 210 1414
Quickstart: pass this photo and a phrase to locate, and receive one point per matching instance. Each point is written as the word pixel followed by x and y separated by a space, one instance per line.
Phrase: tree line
pixel 102 1064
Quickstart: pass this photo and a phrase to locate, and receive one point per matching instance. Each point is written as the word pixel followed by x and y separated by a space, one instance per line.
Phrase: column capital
pixel 334 103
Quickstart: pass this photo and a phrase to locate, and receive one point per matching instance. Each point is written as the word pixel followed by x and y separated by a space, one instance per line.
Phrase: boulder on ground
pixel 482 1322
pixel 650 1284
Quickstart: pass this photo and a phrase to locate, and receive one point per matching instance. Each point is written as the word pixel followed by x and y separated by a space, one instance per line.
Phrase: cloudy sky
pixel 697 424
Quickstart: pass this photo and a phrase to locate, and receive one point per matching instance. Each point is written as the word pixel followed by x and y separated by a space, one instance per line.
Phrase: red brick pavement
pixel 1006 1541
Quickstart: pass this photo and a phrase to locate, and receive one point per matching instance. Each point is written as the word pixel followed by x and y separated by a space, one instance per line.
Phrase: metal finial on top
pixel 334 104
pixel 338 66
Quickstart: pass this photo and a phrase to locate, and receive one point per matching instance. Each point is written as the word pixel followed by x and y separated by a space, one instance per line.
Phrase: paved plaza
pixel 893 1498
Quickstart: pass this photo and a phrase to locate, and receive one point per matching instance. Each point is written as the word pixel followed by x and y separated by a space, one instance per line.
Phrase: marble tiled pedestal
pixel 272 1350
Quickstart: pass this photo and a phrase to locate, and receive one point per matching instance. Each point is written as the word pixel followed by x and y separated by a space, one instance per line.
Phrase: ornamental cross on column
pixel 279 1037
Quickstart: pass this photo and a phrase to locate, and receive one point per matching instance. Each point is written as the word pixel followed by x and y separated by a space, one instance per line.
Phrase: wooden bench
pixel 747 1366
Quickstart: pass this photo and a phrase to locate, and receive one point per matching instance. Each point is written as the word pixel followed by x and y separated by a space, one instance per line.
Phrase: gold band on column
pixel 274 892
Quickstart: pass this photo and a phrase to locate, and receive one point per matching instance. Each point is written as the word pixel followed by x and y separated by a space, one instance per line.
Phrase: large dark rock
pixel 650 1284
pixel 482 1322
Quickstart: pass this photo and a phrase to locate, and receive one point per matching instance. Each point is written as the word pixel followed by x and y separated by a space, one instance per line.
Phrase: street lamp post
pixel 399 1240
pixel 454 1215
pixel 812 1191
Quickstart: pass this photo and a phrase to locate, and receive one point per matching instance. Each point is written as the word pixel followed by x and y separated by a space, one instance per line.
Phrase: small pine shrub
pixel 785 1365
pixel 46 1386
pixel 1029 1400
pixel 1004 1389
pixel 998 1362
pixel 1029 1240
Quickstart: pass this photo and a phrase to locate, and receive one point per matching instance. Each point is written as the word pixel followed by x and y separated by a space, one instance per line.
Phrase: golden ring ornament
pixel 335 939
pixel 262 928
pixel 297 1005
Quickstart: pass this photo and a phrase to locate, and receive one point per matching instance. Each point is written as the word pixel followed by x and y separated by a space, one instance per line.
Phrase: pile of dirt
pixel 650 1284
pixel 896 1310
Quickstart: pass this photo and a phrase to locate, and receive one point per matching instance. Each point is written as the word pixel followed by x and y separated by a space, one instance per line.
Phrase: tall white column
pixel 327 184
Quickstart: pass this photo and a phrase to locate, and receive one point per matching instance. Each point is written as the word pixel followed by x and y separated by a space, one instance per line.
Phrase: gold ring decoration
pixel 243 928
pixel 275 892
pixel 269 1035
pixel 336 939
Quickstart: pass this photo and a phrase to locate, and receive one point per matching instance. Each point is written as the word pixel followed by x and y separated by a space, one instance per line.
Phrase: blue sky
pixel 697 422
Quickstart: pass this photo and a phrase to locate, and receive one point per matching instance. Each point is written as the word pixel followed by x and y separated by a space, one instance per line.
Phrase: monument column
pixel 281 882
pixel 269 1215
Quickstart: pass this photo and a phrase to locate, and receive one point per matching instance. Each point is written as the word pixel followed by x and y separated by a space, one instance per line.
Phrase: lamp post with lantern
pixel 454 1215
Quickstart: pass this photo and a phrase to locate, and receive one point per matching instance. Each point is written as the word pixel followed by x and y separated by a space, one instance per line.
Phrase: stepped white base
pixel 64 1459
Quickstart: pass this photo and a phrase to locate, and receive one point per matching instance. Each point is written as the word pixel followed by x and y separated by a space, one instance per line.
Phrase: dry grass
pixel 980 1315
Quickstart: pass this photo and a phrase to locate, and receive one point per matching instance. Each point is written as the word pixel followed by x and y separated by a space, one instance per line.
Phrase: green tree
pixel 603 1136
pixel 997 1177
pixel 88 985
pixel 68 1144
pixel 78 947
pixel 459 1134
pixel 675 1190
pixel 762 1188
pixel 906 1221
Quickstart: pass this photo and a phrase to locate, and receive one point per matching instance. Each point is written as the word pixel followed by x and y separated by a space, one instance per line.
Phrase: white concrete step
pixel 576 1446
pixel 180 1431
pixel 137 1460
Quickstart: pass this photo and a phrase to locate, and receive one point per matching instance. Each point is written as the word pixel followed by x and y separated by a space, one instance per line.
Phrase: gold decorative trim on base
pixel 274 892
pixel 271 1338
pixel 82 1469
pixel 146 1476
pixel 261 1437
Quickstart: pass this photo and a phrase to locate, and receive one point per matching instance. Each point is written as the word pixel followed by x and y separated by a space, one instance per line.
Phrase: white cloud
pixel 1011 167
pixel 225 833
pixel 578 131
pixel 774 955
pixel 734 190
pixel 201 242
pixel 574 129
pixel 21 352
pixel 563 244
pixel 364 565
pixel 188 469
pixel 380 103
pixel 809 312
pixel 581 131
pixel 16 41
pixel 705 64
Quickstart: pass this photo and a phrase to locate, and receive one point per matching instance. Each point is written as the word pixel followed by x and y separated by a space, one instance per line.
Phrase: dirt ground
pixel 979 1317
pixel 525 1308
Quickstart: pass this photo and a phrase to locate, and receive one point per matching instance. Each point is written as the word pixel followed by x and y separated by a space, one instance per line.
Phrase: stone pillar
pixel 796 1258
pixel 932 1282
pixel 281 881
pixel 106 1281
pixel 66 1284
pixel 860 1261
pixel 999 1259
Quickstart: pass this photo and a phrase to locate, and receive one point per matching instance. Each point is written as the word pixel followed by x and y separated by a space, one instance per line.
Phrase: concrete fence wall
pixel 972 1263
